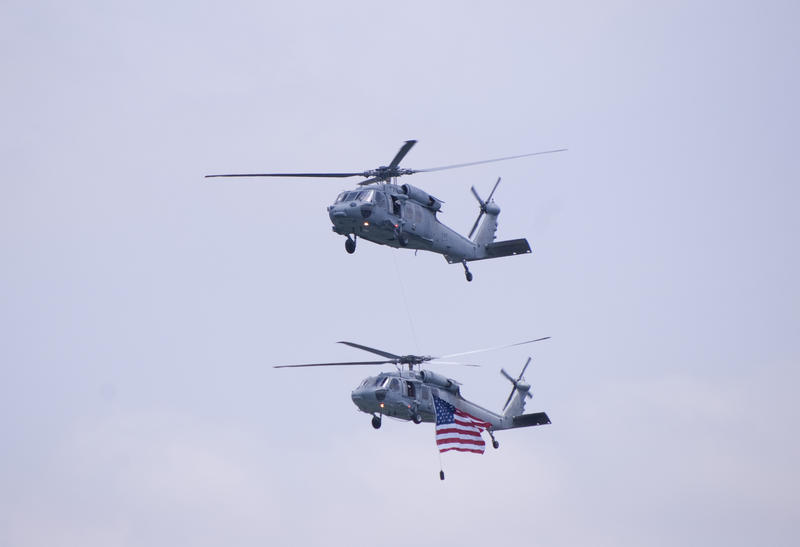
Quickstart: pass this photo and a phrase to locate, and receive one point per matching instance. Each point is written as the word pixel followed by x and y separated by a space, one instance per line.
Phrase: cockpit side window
pixel 394 385
pixel 380 199
pixel 366 195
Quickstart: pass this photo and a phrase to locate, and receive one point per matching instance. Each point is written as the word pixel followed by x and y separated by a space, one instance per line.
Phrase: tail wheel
pixel 467 273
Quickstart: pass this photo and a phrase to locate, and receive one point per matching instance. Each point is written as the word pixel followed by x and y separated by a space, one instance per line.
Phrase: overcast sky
pixel 142 306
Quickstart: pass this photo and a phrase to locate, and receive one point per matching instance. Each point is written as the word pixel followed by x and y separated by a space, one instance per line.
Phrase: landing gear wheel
pixel 403 240
pixel 495 444
pixel 417 419
pixel 350 245
pixel 376 422
pixel 467 273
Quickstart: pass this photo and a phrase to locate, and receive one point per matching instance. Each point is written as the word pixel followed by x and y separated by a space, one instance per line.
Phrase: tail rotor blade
pixel 509 398
pixel 475 226
pixel 521 374
pixel 475 193
pixel 510 379
pixel 496 184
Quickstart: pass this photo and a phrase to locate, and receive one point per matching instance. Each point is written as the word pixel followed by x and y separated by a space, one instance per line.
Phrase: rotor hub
pixel 385 173
pixel 411 360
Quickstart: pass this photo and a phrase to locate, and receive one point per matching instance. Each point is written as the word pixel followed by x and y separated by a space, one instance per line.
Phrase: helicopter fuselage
pixel 400 217
pixel 400 395
pixel 405 216
pixel 408 395
pixel 416 393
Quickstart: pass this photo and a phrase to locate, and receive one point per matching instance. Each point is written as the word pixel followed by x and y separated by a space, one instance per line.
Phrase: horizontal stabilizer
pixel 527 420
pixel 497 249
pixel 507 248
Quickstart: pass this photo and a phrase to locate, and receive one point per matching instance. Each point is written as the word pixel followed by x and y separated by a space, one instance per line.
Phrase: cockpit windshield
pixel 357 195
pixel 373 381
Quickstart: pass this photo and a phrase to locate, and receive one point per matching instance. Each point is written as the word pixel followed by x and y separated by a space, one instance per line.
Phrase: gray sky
pixel 141 306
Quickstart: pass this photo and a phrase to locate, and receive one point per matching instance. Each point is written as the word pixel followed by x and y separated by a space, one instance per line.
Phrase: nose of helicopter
pixel 359 397
pixel 368 399
pixel 348 212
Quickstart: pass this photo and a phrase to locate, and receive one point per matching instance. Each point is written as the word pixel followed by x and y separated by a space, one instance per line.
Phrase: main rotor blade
pixel 487 161
pixel 368 181
pixel 335 364
pixel 322 175
pixel 492 348
pixel 437 362
pixel 402 153
pixel 371 350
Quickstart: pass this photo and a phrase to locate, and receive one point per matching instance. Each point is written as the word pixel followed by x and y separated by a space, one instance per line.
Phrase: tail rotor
pixel 516 382
pixel 482 205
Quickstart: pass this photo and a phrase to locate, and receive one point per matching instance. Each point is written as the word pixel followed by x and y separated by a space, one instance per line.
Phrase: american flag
pixel 457 430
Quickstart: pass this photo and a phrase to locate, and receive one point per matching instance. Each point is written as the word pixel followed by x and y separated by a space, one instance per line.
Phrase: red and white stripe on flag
pixel 462 434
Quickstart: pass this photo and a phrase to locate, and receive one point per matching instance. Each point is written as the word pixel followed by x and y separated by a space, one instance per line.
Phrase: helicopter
pixel 404 216
pixel 411 394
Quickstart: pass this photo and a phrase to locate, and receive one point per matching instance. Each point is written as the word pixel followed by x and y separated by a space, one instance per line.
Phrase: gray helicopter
pixel 409 394
pixel 404 216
